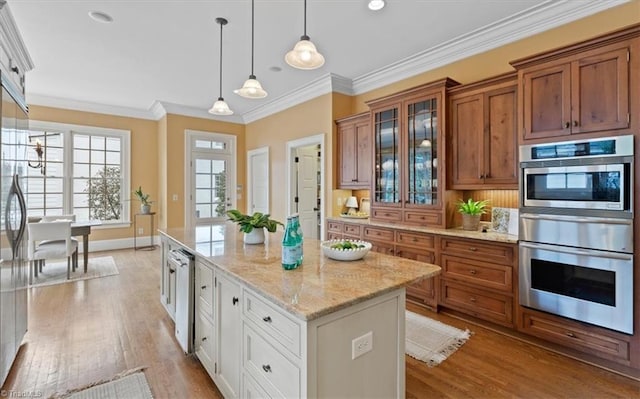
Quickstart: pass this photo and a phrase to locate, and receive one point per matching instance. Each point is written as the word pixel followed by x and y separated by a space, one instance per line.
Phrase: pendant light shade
pixel 251 87
pixel 220 107
pixel 304 54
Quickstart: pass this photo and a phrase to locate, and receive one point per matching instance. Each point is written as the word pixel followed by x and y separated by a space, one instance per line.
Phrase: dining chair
pixel 51 240
pixel 56 218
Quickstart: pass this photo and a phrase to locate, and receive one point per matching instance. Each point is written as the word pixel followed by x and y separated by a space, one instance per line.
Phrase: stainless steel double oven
pixel 576 230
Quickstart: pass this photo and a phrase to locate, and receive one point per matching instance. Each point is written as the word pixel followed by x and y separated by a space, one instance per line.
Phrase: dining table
pixel 83 228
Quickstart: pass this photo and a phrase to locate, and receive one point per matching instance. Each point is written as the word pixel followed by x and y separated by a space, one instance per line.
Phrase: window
pixel 86 172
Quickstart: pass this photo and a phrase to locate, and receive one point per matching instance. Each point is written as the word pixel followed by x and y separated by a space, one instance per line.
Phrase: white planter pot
pixel 255 237
pixel 145 209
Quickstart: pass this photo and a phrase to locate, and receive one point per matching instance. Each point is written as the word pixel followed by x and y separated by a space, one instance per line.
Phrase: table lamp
pixel 352 204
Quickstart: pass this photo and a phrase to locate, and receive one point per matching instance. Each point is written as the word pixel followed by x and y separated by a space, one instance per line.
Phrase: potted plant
pixel 471 211
pixel 253 225
pixel 145 204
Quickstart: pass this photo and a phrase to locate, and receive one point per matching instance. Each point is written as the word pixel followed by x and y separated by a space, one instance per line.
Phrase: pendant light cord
pixel 305 18
pixel 252 35
pixel 221 60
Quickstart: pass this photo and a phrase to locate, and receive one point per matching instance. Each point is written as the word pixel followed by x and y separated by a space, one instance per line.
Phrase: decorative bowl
pixel 346 254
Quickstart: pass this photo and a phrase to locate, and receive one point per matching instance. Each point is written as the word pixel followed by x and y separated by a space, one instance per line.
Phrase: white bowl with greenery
pixel 345 249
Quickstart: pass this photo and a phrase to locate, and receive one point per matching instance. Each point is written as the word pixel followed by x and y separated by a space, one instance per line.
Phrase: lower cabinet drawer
pixel 205 342
pixel 280 327
pixel 382 247
pixel 575 336
pixel 335 227
pixel 477 272
pixel 478 303
pixel 424 241
pixel 377 234
pixel 251 389
pixel 352 230
pixel 334 236
pixel 422 219
pixel 271 369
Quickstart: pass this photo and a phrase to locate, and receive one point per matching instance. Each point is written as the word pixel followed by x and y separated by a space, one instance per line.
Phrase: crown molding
pixel 161 108
pixel 86 106
pixel 317 87
pixel 531 21
pixel 12 38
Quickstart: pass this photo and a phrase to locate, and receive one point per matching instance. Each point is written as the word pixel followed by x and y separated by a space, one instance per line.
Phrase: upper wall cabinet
pixel 354 151
pixel 14 58
pixel 585 88
pixel 482 135
pixel 408 150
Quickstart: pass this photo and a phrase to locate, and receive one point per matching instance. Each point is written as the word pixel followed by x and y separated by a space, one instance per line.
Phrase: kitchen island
pixel 326 329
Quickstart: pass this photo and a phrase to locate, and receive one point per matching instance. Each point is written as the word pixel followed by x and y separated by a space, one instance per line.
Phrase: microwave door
pixel 15 216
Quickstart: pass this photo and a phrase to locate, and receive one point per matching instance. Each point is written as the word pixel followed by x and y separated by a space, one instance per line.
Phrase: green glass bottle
pixel 289 246
pixel 298 229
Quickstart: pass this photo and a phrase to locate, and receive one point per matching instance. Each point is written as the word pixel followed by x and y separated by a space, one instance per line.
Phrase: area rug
pixel 56 272
pixel 431 341
pixel 130 384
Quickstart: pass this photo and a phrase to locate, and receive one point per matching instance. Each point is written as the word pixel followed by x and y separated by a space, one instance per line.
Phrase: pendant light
pixel 220 107
pixel 251 87
pixel 304 54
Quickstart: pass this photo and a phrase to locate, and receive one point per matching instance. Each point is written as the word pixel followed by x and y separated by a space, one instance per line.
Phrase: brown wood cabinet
pixel 408 155
pixel 585 338
pixel 482 138
pixel 354 152
pixel 579 89
pixel 478 278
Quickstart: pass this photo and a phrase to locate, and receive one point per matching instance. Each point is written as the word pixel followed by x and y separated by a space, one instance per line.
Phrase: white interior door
pixel 308 189
pixel 258 180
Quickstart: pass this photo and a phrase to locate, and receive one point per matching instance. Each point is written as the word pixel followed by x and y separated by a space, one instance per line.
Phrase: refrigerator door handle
pixel 14 235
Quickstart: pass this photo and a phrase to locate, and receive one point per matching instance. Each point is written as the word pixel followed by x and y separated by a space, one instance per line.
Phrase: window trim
pixel 68 131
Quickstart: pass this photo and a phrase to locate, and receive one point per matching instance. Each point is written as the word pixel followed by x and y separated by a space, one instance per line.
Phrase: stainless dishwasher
pixel 184 263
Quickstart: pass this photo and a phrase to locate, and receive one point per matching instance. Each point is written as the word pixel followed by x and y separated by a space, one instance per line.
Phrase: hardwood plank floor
pixel 91 330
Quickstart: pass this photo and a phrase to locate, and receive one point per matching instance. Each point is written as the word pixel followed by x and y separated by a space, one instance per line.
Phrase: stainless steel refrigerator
pixel 14 270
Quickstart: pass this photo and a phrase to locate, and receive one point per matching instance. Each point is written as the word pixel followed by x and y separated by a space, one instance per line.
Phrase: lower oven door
pixel 587 285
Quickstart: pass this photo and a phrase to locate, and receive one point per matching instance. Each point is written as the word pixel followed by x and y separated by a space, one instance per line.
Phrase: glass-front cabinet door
pixel 387 184
pixel 422 152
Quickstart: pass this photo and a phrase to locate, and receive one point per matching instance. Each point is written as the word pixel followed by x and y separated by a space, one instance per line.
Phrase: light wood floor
pixel 91 330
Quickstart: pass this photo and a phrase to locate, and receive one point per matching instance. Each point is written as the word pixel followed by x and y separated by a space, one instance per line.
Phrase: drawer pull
pixel 204 287
pixel 414 239
pixel 472 299
pixel 473 271
pixel 570 334
pixel 235 300
pixel 567 125
pixel 473 249
pixel 575 123
pixel 204 339
pixel 267 319
pixel 266 368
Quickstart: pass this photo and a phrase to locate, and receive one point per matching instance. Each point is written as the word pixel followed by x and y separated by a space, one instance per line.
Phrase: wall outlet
pixel 361 345
pixel 140 230
pixel 175 197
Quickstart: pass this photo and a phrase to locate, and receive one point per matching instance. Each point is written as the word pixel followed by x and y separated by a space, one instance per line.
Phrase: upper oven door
pixel 584 186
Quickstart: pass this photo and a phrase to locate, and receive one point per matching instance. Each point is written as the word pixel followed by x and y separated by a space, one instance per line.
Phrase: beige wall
pixel 144 159
pixel 303 120
pixel 174 155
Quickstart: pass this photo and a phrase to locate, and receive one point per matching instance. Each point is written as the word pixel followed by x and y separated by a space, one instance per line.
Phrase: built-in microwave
pixel 593 174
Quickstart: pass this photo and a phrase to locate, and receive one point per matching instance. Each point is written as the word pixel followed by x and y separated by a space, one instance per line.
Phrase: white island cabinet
pixel 327 329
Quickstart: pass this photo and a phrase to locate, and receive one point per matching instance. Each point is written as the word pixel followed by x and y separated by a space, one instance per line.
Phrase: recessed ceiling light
pixel 376 5
pixel 100 16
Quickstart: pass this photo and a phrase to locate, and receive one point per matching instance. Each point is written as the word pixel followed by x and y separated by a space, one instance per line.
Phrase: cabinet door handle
pixel 266 368
pixel 234 300
pixel 567 125
pixel 575 123
pixel 267 319
pixel 570 334
pixel 354 179
pixel 172 271
pixel 204 287
pixel 204 339
pixel 473 271
pixel 473 249
pixel 16 70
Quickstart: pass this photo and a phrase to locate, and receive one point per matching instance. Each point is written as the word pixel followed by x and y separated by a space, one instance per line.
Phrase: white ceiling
pixel 166 52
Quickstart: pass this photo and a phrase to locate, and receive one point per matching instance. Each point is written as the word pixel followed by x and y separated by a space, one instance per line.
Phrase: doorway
pixel 258 181
pixel 305 193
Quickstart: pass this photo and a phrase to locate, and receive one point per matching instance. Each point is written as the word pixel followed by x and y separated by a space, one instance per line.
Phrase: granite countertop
pixel 454 232
pixel 319 287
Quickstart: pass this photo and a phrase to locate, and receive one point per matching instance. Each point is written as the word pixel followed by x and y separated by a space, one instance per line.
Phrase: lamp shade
pixel 304 55
pixel 251 89
pixel 220 107
pixel 352 202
